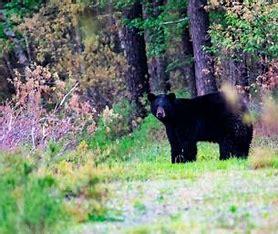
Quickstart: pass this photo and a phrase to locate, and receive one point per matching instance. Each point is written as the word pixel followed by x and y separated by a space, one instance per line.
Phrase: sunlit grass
pixel 165 170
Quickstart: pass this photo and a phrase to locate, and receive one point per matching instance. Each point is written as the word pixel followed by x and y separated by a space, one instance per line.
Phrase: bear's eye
pixel 158 106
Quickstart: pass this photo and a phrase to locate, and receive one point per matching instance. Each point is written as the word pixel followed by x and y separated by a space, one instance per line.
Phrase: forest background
pixel 74 115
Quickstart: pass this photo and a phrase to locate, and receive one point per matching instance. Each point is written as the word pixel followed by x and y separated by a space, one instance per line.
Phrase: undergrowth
pixel 29 204
pixel 48 191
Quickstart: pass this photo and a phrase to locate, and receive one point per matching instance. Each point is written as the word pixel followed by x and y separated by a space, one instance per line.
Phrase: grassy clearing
pixel 238 201
pixel 164 170
pixel 154 196
pixel 128 185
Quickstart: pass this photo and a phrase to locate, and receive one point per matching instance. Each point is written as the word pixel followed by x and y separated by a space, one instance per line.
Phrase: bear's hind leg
pixel 242 147
pixel 241 151
pixel 229 149
pixel 225 150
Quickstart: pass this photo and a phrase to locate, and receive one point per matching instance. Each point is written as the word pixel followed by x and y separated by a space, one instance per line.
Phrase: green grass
pixel 165 170
pixel 51 190
pixel 232 185
pixel 28 204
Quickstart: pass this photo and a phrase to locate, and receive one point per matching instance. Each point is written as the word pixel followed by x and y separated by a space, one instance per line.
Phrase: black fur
pixel 205 118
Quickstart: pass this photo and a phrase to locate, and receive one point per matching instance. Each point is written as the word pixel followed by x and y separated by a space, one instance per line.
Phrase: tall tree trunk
pixel 241 73
pixel 235 72
pixel 114 30
pixel 228 69
pixel 159 77
pixel 134 45
pixel 188 67
pixel 199 25
pixel 115 35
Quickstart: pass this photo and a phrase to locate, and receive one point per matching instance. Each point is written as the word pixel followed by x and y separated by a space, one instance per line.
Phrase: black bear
pixel 205 118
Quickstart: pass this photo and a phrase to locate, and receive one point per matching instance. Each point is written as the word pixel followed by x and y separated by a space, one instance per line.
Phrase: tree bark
pixel 204 68
pixel 235 72
pixel 241 76
pixel 115 36
pixel 187 51
pixel 135 51
pixel 159 78
pixel 157 64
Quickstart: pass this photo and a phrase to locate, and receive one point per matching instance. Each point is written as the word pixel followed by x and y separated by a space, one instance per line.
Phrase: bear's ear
pixel 151 97
pixel 172 96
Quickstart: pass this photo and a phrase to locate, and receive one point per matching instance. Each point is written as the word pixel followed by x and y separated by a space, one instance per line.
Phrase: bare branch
pixel 65 97
pixel 174 21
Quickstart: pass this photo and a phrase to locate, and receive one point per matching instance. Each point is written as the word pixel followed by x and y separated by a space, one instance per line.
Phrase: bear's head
pixel 162 105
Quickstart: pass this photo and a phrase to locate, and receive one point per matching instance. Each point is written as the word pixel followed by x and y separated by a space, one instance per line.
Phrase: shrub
pixel 69 41
pixel 43 194
pixel 107 148
pixel 28 204
pixel 35 116
pixel 78 181
pixel 262 157
pixel 266 124
pixel 112 124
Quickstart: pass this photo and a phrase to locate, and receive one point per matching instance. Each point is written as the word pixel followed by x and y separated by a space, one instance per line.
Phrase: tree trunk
pixel 114 30
pixel 199 25
pixel 115 36
pixel 134 45
pixel 159 77
pixel 241 76
pixel 188 68
pixel 235 72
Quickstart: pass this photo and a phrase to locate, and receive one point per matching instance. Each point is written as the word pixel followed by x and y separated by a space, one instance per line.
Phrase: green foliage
pixel 19 8
pixel 139 206
pixel 111 141
pixel 14 11
pixel 250 27
pixel 2 35
pixel 106 216
pixel 48 192
pixel 28 204
pixel 162 25
pixel 73 45
pixel 113 124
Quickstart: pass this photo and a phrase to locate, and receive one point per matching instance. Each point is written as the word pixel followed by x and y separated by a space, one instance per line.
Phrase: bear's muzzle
pixel 160 113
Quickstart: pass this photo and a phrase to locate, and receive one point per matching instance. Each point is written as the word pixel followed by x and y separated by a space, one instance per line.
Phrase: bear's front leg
pixel 176 154
pixel 176 149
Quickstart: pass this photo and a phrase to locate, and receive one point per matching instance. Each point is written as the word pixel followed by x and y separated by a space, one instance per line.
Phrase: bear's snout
pixel 160 113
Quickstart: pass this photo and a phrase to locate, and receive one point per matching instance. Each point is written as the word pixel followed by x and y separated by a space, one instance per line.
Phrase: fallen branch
pixel 65 97
pixel 174 21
